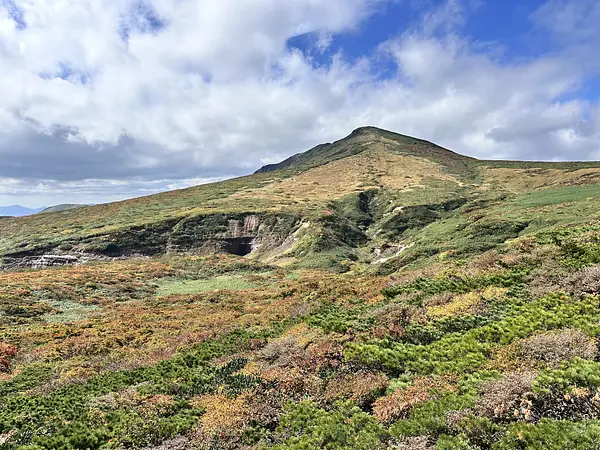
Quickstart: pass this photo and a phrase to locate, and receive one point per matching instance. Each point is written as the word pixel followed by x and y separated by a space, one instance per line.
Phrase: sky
pixel 102 100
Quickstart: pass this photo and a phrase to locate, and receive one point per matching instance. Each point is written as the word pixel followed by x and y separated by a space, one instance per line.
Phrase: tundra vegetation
pixel 413 299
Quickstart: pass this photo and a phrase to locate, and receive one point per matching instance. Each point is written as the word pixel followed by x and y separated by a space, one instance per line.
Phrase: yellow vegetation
pixel 521 180
pixel 223 414
pixel 466 303
pixel 371 169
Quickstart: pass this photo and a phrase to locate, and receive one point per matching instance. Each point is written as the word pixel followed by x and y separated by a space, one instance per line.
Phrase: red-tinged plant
pixel 7 353
pixel 397 405
pixel 362 387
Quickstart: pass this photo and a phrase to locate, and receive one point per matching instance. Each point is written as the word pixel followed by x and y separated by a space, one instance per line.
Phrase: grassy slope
pixel 483 337
pixel 407 171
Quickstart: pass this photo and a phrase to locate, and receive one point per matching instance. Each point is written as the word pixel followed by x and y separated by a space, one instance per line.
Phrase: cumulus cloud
pixel 570 21
pixel 134 96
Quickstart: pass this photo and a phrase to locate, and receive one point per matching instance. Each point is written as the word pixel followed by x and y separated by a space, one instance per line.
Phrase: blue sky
pixel 507 25
pixel 505 22
pixel 108 99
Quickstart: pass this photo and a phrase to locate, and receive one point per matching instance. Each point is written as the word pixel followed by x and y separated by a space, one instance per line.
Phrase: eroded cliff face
pixel 239 234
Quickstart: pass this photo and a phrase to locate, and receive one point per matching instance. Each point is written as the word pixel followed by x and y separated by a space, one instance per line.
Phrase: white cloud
pixel 570 20
pixel 145 90
pixel 88 191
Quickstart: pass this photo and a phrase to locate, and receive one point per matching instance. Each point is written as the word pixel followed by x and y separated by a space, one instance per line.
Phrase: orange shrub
pixel 224 416
pixel 361 387
pixel 7 353
pixel 396 405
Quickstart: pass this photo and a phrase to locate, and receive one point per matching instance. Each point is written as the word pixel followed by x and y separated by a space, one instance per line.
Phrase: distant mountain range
pixel 20 211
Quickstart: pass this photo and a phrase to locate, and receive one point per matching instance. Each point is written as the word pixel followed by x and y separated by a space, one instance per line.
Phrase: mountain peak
pixel 368 129
pixel 367 138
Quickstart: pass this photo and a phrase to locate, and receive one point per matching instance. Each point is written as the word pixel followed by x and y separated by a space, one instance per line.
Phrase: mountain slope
pixel 365 138
pixel 385 190
pixel 387 300
pixel 62 207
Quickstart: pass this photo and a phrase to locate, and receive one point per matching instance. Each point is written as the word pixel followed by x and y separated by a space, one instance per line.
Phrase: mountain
pixel 18 211
pixel 379 292
pixel 362 198
pixel 365 139
pixel 62 207
pixel 21 211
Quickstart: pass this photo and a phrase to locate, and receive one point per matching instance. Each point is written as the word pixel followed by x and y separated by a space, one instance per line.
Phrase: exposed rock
pixel 251 224
pixel 54 260
pixel 48 260
pixel 238 234
pixel 390 251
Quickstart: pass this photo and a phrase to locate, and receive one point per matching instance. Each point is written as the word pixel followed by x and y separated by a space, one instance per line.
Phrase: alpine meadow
pixel 375 293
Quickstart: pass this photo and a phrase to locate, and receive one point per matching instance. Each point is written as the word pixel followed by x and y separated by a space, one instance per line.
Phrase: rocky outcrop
pixel 54 260
pixel 236 234
pixel 239 234
pixel 48 260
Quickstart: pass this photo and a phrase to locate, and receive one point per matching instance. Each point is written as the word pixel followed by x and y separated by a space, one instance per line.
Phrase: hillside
pixel 20 211
pixel 368 182
pixel 63 207
pixel 379 292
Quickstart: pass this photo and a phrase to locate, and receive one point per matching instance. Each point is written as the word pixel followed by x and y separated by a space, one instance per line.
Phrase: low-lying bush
pixel 304 425
pixel 502 398
pixel 458 283
pixel 464 352
pixel 552 435
pixel 557 346
pixel 7 353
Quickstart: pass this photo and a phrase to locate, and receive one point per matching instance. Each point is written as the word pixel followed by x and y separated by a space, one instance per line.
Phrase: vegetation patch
pixel 184 287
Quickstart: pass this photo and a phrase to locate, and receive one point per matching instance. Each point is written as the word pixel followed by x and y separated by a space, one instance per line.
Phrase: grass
pixel 185 287
pixel 556 196
pixel 406 171
pixel 67 311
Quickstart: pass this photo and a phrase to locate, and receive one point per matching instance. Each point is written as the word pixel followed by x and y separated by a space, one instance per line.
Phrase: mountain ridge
pixel 22 211
pixel 18 211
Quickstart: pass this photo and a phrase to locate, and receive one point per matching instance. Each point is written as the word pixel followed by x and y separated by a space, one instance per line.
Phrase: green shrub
pixel 466 352
pixel 459 284
pixel 453 443
pixel 56 420
pixel 430 418
pixel 306 426
pixel 579 373
pixel 552 435
pixel 334 318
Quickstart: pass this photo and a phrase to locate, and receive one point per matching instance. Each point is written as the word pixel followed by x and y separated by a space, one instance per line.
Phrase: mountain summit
pixel 368 138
